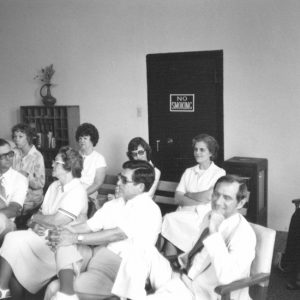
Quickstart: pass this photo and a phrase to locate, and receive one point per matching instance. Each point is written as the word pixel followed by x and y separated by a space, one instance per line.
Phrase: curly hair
pixel 24 128
pixel 72 159
pixel 210 142
pixel 87 129
pixel 133 145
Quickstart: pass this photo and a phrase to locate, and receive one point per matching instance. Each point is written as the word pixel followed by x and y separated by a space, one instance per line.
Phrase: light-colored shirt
pixel 33 164
pixel 139 218
pixel 70 199
pixel 91 163
pixel 16 186
pixel 195 180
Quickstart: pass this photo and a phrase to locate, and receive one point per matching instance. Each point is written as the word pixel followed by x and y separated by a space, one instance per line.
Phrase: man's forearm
pixel 102 237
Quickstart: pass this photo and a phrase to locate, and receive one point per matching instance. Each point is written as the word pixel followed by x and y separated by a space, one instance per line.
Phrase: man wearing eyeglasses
pixel 223 253
pixel 13 189
pixel 105 239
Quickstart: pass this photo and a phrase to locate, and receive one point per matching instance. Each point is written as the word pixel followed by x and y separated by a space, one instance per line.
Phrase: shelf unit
pixel 61 121
pixel 256 169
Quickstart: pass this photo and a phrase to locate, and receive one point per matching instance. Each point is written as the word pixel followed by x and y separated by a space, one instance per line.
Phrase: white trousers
pixel 142 264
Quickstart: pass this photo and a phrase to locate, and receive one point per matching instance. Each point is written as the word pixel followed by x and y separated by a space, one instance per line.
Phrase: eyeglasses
pixel 138 152
pixel 7 155
pixel 124 179
pixel 56 162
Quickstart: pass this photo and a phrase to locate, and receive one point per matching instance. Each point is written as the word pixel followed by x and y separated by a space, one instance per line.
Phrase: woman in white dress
pixel 26 260
pixel 180 229
pixel 94 164
pixel 139 149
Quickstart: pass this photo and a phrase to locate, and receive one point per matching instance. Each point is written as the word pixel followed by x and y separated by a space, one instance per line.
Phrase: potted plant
pixel 45 75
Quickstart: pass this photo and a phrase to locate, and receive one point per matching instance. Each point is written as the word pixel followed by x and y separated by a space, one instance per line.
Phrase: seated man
pixel 13 190
pixel 104 240
pixel 223 253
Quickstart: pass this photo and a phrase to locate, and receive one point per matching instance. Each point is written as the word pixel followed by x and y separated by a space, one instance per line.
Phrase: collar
pixel 138 198
pixel 230 222
pixel 197 170
pixel 31 151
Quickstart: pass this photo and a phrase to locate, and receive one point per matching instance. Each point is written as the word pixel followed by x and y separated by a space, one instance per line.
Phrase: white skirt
pixel 182 227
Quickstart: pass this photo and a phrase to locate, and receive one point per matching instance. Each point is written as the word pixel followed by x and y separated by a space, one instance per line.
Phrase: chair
pixel 260 268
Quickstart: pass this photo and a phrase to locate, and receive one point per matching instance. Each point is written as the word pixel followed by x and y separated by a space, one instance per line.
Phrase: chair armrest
pixel 296 202
pixel 242 283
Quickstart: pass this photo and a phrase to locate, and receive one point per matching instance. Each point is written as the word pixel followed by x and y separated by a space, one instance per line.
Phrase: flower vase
pixel 47 98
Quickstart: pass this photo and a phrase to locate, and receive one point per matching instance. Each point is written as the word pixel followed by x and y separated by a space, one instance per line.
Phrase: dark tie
pixel 197 248
pixel 2 191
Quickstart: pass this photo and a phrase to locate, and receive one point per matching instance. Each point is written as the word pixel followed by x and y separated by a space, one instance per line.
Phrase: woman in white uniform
pixel 193 195
pixel 94 164
pixel 26 260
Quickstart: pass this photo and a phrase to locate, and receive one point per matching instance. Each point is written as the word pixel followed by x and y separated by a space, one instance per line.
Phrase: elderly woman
pixel 139 149
pixel 94 164
pixel 30 162
pixel 193 195
pixel 26 259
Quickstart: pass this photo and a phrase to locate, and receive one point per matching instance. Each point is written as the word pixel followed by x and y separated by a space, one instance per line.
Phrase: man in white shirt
pixel 106 238
pixel 13 190
pixel 223 253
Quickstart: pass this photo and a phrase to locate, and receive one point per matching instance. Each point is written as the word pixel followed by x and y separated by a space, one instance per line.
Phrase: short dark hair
pixel 72 159
pixel 242 192
pixel 4 142
pixel 133 145
pixel 24 128
pixel 87 129
pixel 210 142
pixel 143 172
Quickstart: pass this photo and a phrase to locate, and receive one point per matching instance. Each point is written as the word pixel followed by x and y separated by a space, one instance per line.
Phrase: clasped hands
pixel 57 236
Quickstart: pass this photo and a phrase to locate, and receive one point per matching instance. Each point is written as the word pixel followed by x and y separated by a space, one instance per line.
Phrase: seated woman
pixel 138 149
pixel 289 261
pixel 26 259
pixel 30 162
pixel 193 195
pixel 94 164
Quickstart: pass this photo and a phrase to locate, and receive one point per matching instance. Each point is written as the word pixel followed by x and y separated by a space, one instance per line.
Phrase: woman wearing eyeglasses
pixel 26 259
pixel 138 149
pixel 30 162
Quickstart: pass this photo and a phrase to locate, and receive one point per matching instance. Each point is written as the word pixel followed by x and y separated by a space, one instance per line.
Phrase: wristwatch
pixel 80 238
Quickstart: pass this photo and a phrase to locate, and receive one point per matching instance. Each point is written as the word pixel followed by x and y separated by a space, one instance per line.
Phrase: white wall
pixel 98 49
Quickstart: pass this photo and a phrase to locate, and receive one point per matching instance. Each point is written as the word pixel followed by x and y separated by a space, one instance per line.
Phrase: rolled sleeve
pixel 182 184
pixel 108 216
pixel 72 204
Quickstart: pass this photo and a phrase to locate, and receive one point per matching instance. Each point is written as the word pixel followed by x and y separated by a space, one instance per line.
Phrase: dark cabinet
pixel 256 172
pixel 55 127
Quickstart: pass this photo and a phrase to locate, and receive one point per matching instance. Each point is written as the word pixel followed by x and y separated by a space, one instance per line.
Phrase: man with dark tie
pixel 13 189
pixel 223 253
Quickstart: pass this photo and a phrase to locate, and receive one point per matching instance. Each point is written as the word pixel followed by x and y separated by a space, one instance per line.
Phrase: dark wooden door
pixel 185 98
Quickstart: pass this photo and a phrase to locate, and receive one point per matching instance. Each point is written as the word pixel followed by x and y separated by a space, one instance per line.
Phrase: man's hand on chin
pixel 215 220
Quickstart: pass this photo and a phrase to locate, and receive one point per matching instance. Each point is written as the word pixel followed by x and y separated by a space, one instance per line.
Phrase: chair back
pixel 265 240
